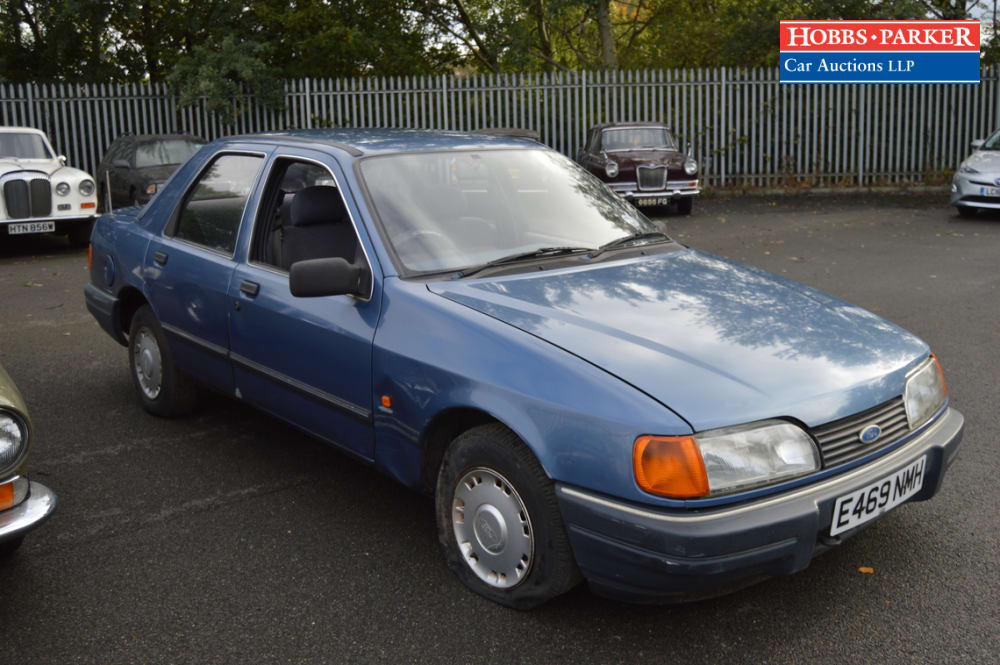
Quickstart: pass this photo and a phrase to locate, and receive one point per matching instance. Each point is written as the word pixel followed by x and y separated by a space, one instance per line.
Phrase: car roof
pixel 360 142
pixel 627 125
pixel 148 138
pixel 22 129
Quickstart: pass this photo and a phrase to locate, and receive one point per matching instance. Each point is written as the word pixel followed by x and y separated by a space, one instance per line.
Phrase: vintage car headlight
pixel 965 168
pixel 86 187
pixel 925 392
pixel 62 189
pixel 611 169
pixel 13 440
pixel 724 460
pixel 690 166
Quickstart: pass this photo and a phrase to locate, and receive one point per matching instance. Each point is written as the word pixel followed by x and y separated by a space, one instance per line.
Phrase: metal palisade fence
pixel 746 128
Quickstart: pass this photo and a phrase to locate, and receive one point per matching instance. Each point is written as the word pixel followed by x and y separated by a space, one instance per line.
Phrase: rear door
pixel 189 266
pixel 306 360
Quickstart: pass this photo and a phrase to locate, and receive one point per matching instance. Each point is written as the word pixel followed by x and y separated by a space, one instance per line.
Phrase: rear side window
pixel 211 213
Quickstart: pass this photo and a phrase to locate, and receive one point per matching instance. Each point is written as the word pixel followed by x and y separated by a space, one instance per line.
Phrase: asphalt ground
pixel 227 537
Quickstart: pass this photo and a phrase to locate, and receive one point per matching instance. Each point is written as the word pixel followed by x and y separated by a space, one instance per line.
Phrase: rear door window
pixel 211 213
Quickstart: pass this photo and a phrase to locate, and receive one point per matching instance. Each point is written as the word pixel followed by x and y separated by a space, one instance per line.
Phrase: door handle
pixel 160 258
pixel 250 288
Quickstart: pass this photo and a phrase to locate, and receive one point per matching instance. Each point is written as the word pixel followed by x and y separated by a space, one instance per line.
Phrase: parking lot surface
pixel 228 537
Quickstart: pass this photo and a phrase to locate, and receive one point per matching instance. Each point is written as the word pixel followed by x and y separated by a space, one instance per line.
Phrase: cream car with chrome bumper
pixel 38 192
pixel 23 504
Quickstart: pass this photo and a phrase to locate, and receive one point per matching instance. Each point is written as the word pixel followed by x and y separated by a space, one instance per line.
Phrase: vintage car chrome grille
pixel 651 177
pixel 840 441
pixel 24 198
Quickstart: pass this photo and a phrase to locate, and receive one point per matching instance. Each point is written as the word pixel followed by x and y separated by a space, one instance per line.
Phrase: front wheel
pixel 79 235
pixel 499 524
pixel 10 546
pixel 162 388
pixel 684 205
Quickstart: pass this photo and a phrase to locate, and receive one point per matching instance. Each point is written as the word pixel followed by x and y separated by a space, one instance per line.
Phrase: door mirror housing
pixel 314 278
pixel 62 159
pixel 120 164
pixel 976 144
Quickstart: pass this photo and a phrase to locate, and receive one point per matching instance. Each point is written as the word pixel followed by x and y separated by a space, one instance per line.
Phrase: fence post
pixel 862 99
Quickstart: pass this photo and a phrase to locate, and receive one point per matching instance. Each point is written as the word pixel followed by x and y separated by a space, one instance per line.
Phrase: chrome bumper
pixel 673 189
pixel 16 521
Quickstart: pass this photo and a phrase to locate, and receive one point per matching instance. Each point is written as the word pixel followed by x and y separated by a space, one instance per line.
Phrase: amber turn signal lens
pixel 386 401
pixel 6 496
pixel 670 466
pixel 89 204
pixel 944 384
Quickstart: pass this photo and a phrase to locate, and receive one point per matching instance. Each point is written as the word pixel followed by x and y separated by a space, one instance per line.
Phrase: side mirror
pixel 976 144
pixel 120 164
pixel 62 159
pixel 324 277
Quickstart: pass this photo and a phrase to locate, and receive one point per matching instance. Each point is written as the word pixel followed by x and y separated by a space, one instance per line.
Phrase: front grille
pixel 840 441
pixel 651 177
pixel 981 199
pixel 27 198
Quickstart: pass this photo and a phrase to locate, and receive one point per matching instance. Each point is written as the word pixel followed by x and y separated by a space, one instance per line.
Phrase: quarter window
pixel 211 213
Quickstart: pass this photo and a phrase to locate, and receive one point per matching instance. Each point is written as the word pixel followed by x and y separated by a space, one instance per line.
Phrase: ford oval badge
pixel 870 433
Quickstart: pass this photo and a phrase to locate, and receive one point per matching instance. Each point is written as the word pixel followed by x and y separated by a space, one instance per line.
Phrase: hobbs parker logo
pixel 879 51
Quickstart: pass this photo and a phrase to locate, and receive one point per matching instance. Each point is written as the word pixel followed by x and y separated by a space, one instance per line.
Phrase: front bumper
pixel 974 190
pixel 673 190
pixel 25 516
pixel 640 554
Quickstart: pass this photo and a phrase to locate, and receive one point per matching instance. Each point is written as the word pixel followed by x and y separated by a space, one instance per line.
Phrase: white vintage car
pixel 38 192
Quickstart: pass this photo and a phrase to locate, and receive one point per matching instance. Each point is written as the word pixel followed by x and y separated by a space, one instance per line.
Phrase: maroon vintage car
pixel 642 162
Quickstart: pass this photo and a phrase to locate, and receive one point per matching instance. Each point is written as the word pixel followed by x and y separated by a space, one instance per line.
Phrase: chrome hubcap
pixel 148 364
pixel 492 528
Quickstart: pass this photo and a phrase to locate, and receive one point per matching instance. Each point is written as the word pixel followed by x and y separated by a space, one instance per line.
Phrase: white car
pixel 38 192
pixel 976 183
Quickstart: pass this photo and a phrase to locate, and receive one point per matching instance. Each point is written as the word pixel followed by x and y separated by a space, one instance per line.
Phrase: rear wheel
pixel 684 205
pixel 966 211
pixel 499 525
pixel 162 388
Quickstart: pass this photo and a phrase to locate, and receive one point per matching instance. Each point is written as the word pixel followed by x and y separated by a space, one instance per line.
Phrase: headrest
pixel 317 205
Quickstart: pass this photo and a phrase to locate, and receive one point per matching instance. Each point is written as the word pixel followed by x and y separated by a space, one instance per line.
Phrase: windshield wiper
pixel 625 240
pixel 542 252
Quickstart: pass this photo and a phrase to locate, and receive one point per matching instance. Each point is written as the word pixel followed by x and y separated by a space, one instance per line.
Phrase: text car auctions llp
pixel 880 51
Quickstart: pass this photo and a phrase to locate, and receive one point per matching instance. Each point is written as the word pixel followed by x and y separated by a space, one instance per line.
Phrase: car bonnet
pixel 718 342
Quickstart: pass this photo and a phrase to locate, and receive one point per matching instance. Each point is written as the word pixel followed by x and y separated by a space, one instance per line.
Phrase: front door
pixel 305 360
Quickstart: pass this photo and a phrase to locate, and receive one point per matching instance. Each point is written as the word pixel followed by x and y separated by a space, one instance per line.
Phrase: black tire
pixel 79 235
pixel 966 211
pixel 494 449
pixel 177 393
pixel 10 546
pixel 684 205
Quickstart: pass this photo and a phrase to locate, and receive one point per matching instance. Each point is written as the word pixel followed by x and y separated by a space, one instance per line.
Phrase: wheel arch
pixel 130 300
pixel 442 429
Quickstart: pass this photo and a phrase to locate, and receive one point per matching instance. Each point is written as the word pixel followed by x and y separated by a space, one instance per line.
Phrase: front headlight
pixel 611 169
pixel 723 461
pixel 690 166
pixel 965 168
pixel 86 187
pixel 925 392
pixel 62 189
pixel 151 189
pixel 13 441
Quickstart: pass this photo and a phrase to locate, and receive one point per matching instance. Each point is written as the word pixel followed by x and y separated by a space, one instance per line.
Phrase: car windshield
pixel 158 153
pixel 446 211
pixel 992 143
pixel 638 138
pixel 26 145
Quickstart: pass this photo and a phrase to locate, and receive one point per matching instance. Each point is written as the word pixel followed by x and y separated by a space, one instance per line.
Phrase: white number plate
pixel 31 227
pixel 867 503
pixel 989 191
pixel 660 201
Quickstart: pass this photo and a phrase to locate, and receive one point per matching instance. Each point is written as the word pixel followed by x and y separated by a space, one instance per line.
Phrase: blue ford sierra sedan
pixel 483 320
